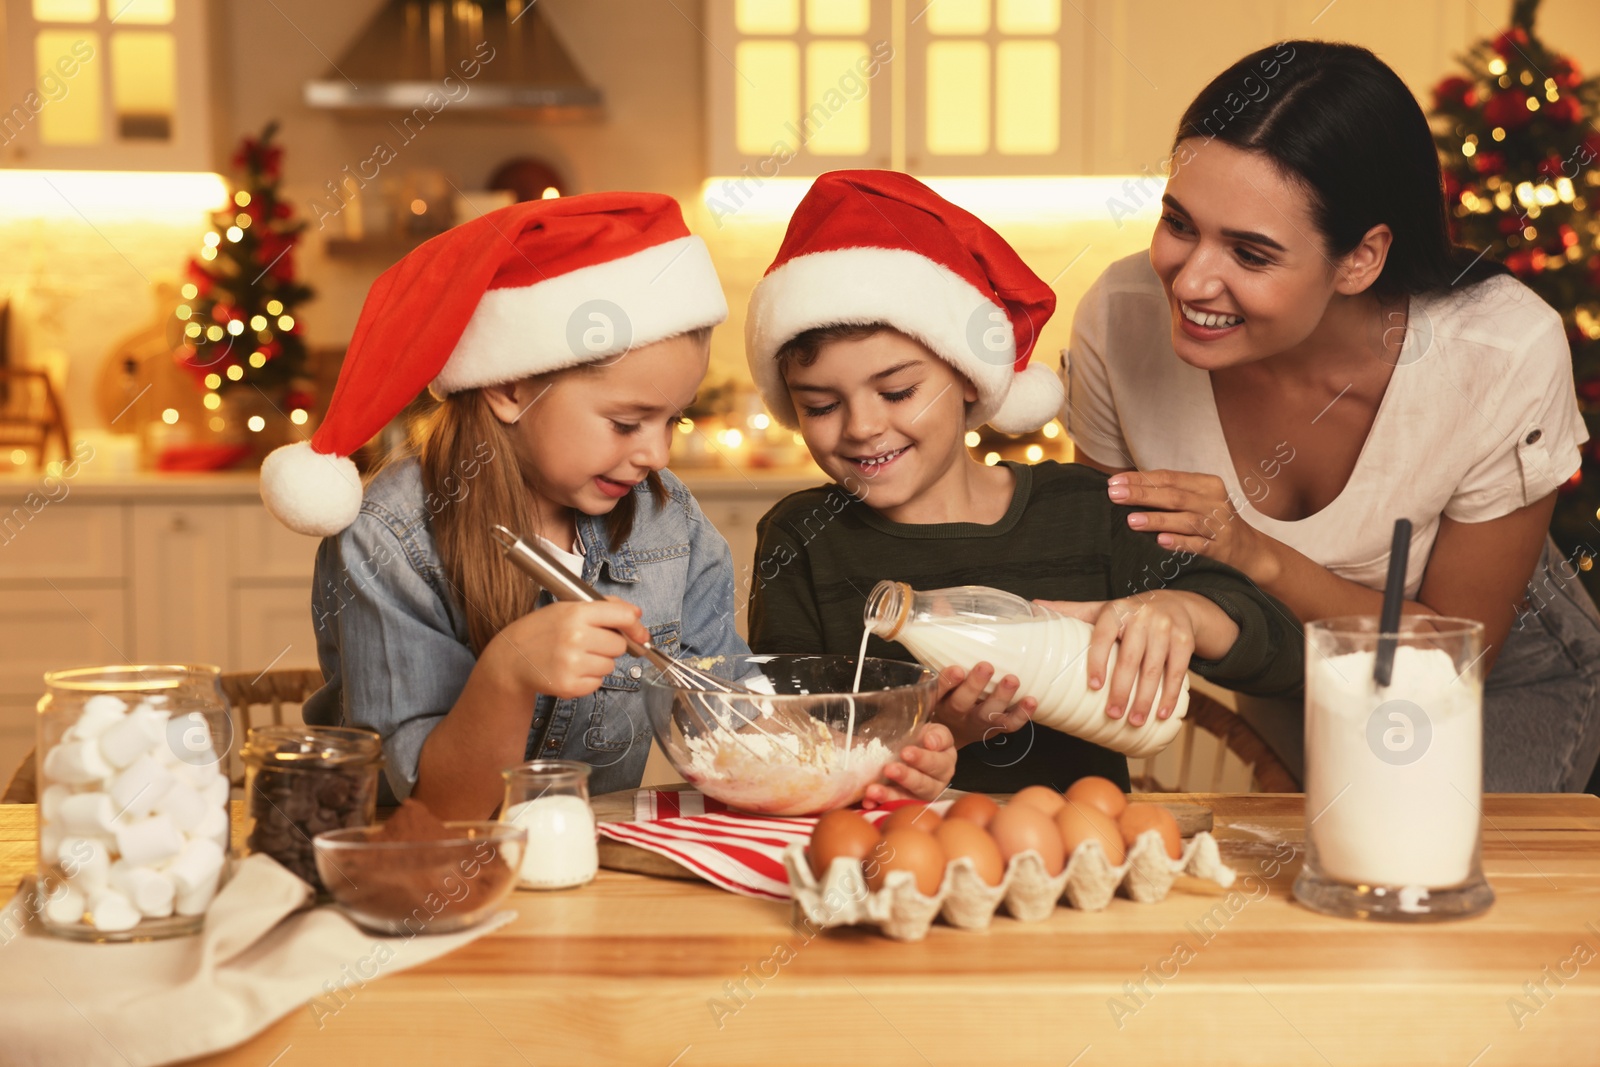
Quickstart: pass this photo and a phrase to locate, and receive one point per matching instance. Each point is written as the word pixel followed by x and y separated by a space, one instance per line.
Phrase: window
pixel 949 87
pixel 106 84
pixel 799 85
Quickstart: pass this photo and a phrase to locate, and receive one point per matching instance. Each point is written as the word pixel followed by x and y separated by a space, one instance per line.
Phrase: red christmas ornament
pixel 1508 109
pixel 1454 91
pixel 1508 42
pixel 1564 110
pixel 1489 162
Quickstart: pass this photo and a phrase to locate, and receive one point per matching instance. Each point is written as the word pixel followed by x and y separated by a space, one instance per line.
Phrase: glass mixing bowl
pixel 808 747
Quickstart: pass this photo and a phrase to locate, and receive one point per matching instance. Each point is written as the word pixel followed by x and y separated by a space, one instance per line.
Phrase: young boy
pixel 891 323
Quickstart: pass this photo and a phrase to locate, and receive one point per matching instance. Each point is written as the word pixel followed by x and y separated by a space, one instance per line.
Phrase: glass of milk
pixel 550 799
pixel 1394 774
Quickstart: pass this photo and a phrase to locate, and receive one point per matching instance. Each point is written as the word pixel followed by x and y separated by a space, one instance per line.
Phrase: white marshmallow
pixel 76 763
pixel 198 899
pixel 86 863
pixel 217 790
pixel 99 712
pixel 64 906
pixel 213 826
pixel 131 738
pixel 149 841
pixel 189 740
pixel 152 892
pixel 200 862
pixel 50 838
pixel 183 805
pixel 136 790
pixel 88 813
pixel 112 912
pixel 50 802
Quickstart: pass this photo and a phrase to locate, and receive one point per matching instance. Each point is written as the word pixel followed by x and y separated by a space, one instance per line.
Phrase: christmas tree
pixel 237 321
pixel 1520 146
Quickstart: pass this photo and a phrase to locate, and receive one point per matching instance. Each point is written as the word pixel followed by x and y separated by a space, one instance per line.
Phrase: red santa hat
pixel 876 246
pixel 532 288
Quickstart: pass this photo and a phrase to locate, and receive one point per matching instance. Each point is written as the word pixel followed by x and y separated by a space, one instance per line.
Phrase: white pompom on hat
pixel 532 288
pixel 877 246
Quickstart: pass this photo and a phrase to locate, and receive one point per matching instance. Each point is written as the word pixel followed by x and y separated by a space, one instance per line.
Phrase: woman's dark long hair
pixel 1338 121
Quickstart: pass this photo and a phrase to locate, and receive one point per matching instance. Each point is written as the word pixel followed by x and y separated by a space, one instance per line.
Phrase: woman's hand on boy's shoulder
pixel 923 772
pixel 566 649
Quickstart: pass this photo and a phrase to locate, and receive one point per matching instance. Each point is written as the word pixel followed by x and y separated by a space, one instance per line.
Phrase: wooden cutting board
pixel 619 856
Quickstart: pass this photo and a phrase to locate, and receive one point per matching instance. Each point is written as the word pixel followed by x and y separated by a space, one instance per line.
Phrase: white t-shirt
pixel 1479 419
pixel 571 558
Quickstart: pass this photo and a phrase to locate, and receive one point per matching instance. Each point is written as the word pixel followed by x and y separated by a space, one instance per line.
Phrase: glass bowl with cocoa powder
pixel 416 875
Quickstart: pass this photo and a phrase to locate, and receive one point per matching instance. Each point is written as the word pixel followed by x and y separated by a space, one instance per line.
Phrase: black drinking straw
pixel 1394 594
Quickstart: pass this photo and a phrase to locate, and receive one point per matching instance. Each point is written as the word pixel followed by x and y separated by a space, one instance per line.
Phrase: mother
pixel 1304 358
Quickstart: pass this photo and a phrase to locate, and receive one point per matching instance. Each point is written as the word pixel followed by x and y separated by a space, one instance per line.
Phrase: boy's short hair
pixel 803 348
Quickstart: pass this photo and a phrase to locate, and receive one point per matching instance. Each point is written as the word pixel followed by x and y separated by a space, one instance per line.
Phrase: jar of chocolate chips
pixel 302 780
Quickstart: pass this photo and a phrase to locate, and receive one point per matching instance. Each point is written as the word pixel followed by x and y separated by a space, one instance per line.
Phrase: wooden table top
pixel 637 970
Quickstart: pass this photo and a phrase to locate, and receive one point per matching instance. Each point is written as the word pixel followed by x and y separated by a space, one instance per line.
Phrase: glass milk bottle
pixel 1394 774
pixel 133 800
pixel 1046 651
pixel 550 799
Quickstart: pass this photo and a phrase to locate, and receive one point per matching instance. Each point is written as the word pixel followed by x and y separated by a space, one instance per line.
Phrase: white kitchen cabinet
pixel 180 566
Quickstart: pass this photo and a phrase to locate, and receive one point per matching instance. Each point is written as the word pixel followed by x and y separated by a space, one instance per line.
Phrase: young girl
pixel 563 339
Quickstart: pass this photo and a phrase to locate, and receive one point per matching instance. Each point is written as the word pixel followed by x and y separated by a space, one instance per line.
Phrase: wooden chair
pixel 1229 735
pixel 271 691
pixel 31 415
pixel 247 692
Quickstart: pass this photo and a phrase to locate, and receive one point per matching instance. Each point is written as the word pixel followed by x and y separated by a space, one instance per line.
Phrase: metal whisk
pixel 704 687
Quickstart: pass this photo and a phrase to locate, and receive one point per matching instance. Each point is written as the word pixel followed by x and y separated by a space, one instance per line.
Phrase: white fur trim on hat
pixel 858 286
pixel 1034 399
pixel 585 315
pixel 309 491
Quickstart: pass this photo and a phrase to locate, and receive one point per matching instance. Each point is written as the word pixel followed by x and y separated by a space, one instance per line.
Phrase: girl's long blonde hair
pixel 474 480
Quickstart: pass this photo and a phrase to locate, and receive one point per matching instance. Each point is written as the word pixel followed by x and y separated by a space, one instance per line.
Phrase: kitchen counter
pixel 635 970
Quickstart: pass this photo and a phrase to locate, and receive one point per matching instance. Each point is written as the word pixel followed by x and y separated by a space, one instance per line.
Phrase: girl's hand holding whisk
pixel 566 649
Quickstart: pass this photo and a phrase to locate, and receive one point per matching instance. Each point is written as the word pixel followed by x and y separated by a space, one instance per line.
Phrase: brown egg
pixel 1078 823
pixel 1042 797
pixel 840 833
pixel 907 850
pixel 1019 827
pixel 1141 817
pixel 1098 792
pixel 918 816
pixel 974 808
pixel 960 838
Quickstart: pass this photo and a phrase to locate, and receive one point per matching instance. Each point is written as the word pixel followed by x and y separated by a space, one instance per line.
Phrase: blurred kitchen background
pixel 151 147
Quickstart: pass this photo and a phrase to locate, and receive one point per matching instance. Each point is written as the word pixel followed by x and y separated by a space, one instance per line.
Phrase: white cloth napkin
pixel 258 958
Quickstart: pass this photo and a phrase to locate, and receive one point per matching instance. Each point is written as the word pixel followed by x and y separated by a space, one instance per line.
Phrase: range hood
pixel 497 58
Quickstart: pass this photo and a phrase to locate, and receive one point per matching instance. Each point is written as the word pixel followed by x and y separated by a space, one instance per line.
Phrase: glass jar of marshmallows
pixel 133 800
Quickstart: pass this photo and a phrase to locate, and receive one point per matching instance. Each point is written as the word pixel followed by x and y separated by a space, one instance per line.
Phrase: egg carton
pixel 1028 891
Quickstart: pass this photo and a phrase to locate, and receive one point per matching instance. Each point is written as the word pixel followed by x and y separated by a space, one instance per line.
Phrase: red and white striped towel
pixel 734 851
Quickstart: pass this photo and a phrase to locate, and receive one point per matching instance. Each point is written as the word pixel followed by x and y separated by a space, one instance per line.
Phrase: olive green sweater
pixel 820 551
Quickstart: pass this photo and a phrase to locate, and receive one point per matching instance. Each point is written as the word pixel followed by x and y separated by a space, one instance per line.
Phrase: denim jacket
pixel 392 638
